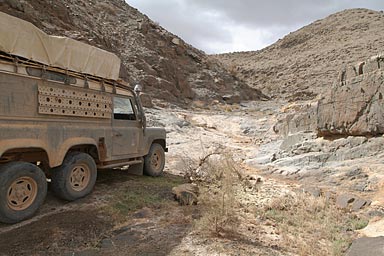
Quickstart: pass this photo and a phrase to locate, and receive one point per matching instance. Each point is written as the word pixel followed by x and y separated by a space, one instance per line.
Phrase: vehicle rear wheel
pixel 23 188
pixel 154 162
pixel 75 178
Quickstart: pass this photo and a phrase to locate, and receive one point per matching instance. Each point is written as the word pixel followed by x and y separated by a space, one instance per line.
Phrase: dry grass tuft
pixel 312 226
pixel 304 225
pixel 142 191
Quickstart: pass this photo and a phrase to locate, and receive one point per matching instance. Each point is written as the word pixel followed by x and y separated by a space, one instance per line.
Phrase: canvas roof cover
pixel 21 38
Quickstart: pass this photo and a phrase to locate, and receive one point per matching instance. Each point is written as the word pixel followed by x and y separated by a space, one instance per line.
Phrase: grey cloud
pixel 212 25
pixel 192 24
pixel 282 12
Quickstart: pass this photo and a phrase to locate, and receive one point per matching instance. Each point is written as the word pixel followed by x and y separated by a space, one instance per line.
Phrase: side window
pixel 51 75
pixel 122 109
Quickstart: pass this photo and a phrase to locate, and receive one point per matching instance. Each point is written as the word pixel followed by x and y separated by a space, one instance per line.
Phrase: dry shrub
pixel 312 226
pixel 218 202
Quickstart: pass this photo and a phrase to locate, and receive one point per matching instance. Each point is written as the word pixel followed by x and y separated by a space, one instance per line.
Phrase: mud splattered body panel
pixel 52 117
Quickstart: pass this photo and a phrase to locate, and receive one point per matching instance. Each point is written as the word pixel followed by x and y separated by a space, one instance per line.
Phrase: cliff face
pixel 354 106
pixel 305 63
pixel 168 67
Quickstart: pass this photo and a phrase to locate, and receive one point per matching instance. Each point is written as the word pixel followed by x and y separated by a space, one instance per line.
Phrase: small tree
pixel 217 198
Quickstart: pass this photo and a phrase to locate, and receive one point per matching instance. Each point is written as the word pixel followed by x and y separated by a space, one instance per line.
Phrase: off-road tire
pixel 23 188
pixel 154 162
pixel 75 178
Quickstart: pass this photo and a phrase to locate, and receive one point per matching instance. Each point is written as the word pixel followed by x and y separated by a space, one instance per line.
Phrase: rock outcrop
pixel 342 130
pixel 354 106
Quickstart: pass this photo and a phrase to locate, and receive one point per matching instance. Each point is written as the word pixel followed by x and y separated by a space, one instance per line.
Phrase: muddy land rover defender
pixel 64 114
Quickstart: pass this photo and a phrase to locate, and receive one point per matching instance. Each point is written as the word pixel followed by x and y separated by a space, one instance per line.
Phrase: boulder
pixel 343 200
pixel 232 98
pixel 359 203
pixel 367 246
pixel 186 194
pixel 176 41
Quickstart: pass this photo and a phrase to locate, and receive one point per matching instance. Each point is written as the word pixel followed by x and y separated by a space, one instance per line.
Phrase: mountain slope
pixel 168 68
pixel 306 62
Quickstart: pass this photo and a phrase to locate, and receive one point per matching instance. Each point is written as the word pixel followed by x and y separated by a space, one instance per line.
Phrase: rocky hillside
pixel 169 68
pixel 305 63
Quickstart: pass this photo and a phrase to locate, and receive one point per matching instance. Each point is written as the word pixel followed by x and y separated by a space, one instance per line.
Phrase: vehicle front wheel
pixel 23 188
pixel 154 162
pixel 75 178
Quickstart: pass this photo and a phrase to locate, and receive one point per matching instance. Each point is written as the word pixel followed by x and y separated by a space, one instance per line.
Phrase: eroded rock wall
pixel 354 106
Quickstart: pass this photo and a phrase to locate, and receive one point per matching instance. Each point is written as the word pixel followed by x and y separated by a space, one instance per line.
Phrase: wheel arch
pixel 85 145
pixel 161 142
pixel 37 150
pixel 16 150
pixel 154 135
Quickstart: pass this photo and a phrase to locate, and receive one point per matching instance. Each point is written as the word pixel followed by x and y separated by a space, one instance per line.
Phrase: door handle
pixel 117 134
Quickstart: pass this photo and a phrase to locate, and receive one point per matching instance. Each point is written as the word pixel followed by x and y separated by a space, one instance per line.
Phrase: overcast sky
pixel 217 26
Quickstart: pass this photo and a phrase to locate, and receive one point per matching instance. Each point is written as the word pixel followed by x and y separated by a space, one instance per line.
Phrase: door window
pixel 122 109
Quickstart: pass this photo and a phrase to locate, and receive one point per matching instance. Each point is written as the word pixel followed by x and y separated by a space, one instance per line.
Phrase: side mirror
pixel 138 89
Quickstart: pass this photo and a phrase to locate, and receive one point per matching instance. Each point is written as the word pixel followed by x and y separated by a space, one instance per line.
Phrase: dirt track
pixel 62 228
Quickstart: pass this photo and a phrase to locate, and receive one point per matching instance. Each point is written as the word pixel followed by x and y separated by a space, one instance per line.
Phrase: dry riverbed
pixel 135 215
